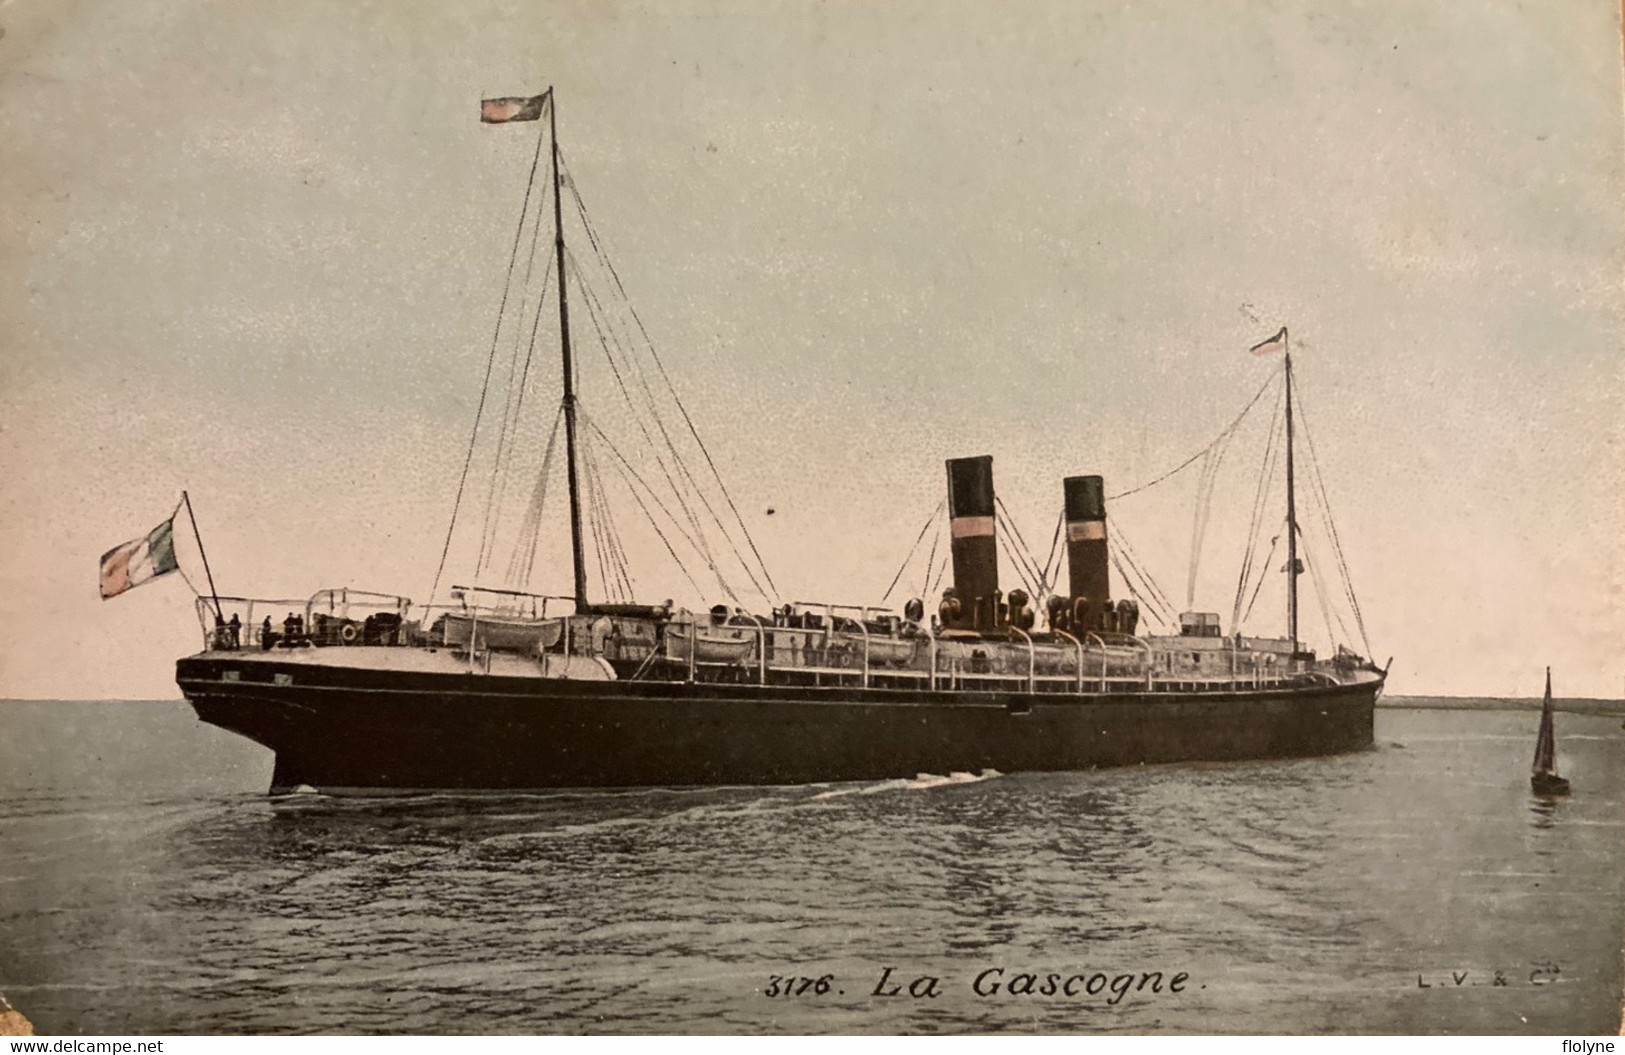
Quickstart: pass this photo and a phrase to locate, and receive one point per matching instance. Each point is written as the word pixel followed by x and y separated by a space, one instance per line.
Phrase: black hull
pixel 354 728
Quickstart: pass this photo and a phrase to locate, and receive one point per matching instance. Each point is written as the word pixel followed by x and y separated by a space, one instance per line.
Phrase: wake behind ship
pixel 505 688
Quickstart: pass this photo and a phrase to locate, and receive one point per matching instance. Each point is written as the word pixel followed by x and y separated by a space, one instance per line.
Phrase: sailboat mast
pixel 579 564
pixel 1291 515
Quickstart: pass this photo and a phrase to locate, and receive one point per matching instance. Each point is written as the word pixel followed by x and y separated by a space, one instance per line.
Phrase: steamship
pixel 503 688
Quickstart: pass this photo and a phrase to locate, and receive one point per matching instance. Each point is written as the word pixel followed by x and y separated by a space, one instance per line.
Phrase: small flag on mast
pixel 1274 344
pixel 502 111
pixel 139 560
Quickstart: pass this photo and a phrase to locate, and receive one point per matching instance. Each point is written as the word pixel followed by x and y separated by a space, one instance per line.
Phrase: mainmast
pixel 579 563
pixel 1292 566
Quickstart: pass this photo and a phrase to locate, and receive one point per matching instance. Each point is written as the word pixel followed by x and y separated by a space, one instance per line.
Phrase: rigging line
pixel 697 540
pixel 528 525
pixel 603 322
pixel 1130 571
pixel 911 550
pixel 1128 582
pixel 506 460
pixel 655 526
pixel 1151 585
pixel 601 526
pixel 1327 609
pixel 487 532
pixel 1008 539
pixel 1202 495
pixel 1316 581
pixel 592 236
pixel 188 581
pixel 1249 564
pixel 1115 526
pixel 622 585
pixel 590 300
pixel 942 569
pixel 1205 489
pixel 479 412
pixel 1329 535
pixel 617 551
pixel 532 535
pixel 1331 525
pixel 596 527
pixel 1318 492
pixel 519 566
pixel 594 306
pixel 1054 551
pixel 1310 568
pixel 594 518
pixel 627 474
pixel 1186 463
pixel 1260 500
pixel 1032 562
pixel 1147 590
pixel 632 474
pixel 930 562
pixel 1272 447
pixel 654 495
pixel 1004 544
pixel 1269 558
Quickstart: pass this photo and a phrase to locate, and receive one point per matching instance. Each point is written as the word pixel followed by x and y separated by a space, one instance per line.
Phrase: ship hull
pixel 337 728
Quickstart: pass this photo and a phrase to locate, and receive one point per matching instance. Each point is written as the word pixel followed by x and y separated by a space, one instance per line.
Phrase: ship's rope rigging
pixel 633 477
pixel 1317 494
pixel 1132 571
pixel 936 512
pixel 942 568
pixel 660 367
pixel 1039 581
pixel 1154 601
pixel 1261 501
pixel 1139 582
pixel 524 555
pixel 610 344
pixel 688 509
pixel 1241 616
pixel 490 362
pixel 1255 572
pixel 513 404
pixel 1052 567
pixel 1222 438
pixel 1036 579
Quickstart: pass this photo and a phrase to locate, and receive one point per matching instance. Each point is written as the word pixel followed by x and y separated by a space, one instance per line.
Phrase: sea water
pixel 148 885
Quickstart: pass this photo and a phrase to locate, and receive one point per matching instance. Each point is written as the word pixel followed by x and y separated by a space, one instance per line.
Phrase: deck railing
pixel 839 651
pixel 739 646
pixel 329 617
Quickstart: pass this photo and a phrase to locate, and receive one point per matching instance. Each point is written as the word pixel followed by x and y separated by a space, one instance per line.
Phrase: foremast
pixel 578 561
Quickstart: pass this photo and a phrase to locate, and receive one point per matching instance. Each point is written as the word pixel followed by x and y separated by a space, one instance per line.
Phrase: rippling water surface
pixel 147 885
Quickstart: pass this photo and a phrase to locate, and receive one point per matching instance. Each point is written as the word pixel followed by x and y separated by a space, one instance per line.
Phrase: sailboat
pixel 506 689
pixel 1543 778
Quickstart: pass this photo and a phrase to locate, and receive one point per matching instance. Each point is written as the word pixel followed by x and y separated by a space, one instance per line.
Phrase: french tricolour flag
pixel 139 560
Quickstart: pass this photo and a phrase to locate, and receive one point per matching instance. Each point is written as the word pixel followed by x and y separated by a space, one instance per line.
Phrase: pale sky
pixel 255 251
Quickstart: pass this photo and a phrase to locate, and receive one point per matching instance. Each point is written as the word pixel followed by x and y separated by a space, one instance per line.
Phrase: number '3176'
pixel 792 985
